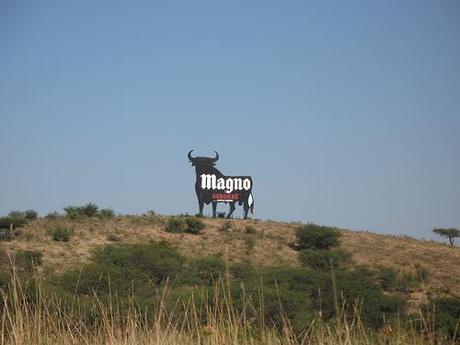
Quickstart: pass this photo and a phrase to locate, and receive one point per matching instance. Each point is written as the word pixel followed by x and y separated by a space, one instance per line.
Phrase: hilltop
pixel 263 243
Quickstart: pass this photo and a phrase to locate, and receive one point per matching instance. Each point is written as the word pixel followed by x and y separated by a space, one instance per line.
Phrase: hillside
pixel 263 243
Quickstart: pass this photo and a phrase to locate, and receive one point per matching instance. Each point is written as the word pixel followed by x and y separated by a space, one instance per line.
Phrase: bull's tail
pixel 251 203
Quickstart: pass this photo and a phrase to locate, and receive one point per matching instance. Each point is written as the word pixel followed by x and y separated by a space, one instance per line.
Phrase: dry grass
pixel 272 246
pixel 47 321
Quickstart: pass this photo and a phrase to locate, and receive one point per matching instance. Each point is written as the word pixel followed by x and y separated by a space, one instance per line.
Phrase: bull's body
pixel 7 225
pixel 205 166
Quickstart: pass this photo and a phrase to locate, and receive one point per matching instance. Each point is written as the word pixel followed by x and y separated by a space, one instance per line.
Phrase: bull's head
pixel 203 161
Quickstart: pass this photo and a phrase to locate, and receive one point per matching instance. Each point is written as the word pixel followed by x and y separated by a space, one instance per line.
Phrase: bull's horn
pixel 190 155
pixel 217 157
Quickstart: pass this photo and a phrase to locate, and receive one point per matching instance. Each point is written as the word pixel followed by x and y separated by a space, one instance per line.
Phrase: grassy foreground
pixel 30 316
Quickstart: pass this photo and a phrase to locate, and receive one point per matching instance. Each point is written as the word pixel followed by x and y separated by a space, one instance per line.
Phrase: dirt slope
pixel 260 242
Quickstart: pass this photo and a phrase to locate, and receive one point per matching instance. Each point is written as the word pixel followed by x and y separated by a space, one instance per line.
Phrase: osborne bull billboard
pixel 213 187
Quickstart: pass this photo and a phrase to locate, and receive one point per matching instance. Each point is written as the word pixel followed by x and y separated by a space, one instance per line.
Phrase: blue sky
pixel 345 114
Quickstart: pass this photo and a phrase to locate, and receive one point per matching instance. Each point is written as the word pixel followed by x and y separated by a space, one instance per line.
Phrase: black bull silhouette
pixel 241 194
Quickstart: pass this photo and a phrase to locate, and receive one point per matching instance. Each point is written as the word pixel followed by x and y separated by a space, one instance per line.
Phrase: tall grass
pixel 32 316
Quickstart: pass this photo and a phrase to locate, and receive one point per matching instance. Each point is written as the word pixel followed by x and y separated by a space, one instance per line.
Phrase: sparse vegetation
pixel 189 224
pixel 291 293
pixel 28 259
pixel 226 226
pixel 33 316
pixel 249 229
pixel 61 234
pixel 113 238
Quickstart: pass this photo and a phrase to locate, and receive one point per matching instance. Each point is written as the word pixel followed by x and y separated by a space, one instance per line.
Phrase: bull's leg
pixel 246 209
pixel 200 206
pixel 214 209
pixel 232 208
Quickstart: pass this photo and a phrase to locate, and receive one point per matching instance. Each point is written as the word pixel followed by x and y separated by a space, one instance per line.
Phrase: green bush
pixel 89 210
pixel 356 287
pixel 30 214
pixel 61 234
pixel 72 212
pixel 324 260
pixel 205 271
pixel 446 321
pixel 189 224
pixel 175 225
pixel 406 282
pixel 86 211
pixel 128 270
pixel 106 213
pixel 94 278
pixel 298 293
pixel 387 278
pixel 317 237
pixel 15 217
pixel 194 225
pixel 147 262
pixel 53 215
pixel 286 291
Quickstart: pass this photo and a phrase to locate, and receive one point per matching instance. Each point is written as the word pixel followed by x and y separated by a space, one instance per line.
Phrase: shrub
pixel 87 210
pixel 447 315
pixel 242 271
pixel 387 278
pixel 16 218
pixel 406 282
pixel 187 224
pixel 30 214
pixel 61 234
pixel 317 237
pixel 16 214
pixel 106 213
pixel 286 291
pixel 357 286
pixel 175 225
pixel 194 225
pixel 323 260
pixel 146 262
pixel 207 270
pixel 53 215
